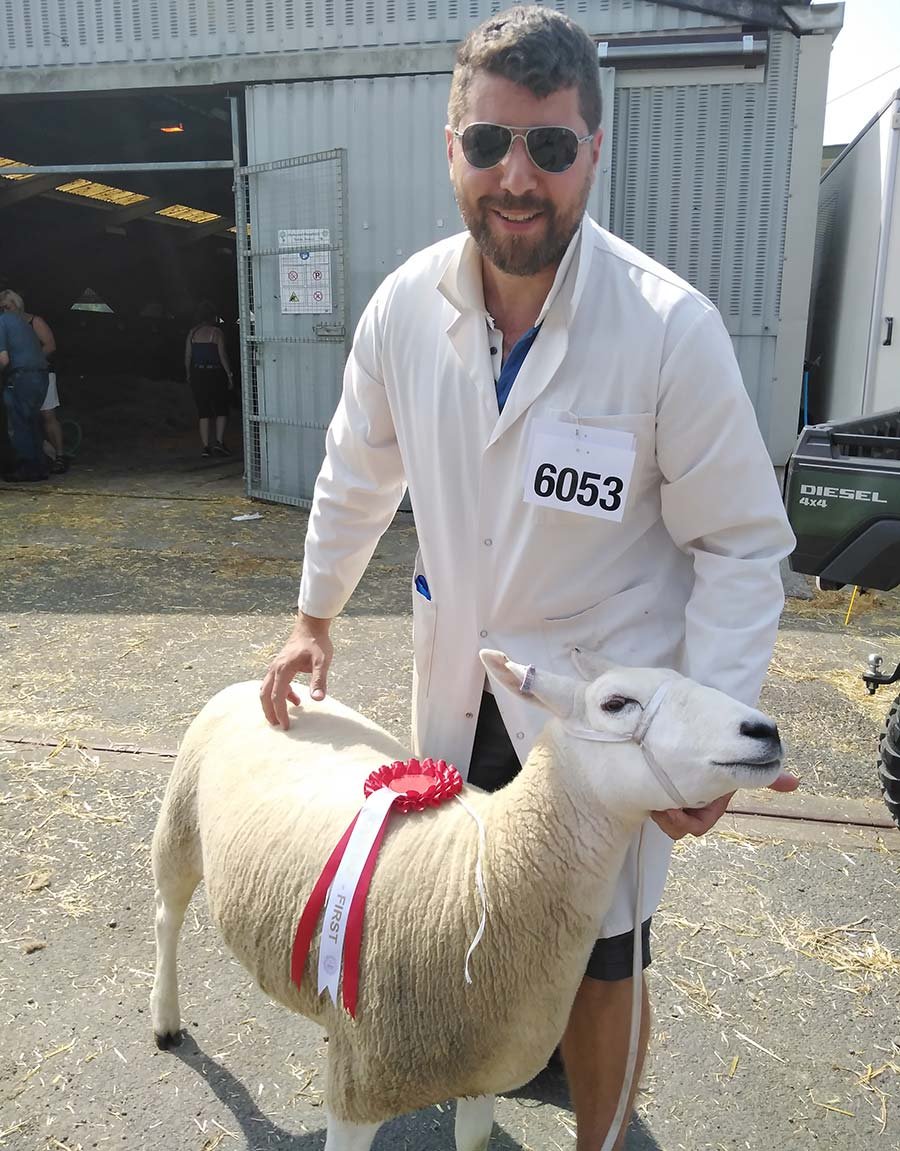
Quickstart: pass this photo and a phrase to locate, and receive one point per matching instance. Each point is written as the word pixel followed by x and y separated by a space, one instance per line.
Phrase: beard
pixel 522 255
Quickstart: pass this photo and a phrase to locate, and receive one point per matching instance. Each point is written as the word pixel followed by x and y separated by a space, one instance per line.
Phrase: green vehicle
pixel 843 501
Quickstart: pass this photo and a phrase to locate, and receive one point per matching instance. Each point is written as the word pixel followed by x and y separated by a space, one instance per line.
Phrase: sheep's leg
pixel 344 1136
pixel 172 898
pixel 474 1123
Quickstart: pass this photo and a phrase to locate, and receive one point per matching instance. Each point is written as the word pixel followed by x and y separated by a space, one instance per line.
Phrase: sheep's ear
pixel 556 693
pixel 590 665
pixel 502 669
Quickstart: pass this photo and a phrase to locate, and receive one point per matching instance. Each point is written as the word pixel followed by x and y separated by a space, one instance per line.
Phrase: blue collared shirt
pixel 18 340
pixel 516 358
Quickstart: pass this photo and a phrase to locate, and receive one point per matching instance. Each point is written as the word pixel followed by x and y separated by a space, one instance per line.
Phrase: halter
pixel 637 736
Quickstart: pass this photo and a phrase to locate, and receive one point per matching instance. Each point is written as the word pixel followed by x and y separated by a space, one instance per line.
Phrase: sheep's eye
pixel 615 703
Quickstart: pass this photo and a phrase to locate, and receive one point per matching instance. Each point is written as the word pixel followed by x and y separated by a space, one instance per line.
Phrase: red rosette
pixel 418 785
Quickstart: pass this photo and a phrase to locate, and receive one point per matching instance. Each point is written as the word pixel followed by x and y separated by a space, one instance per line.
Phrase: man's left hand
pixel 678 823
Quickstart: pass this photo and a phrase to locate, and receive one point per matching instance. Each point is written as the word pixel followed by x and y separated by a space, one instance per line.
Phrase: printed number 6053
pixel 585 487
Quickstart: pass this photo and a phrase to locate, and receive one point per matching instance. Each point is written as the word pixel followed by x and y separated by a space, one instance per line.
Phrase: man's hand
pixel 677 823
pixel 310 650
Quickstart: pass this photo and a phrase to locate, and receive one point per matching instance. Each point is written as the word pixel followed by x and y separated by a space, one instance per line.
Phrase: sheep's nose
pixel 758 729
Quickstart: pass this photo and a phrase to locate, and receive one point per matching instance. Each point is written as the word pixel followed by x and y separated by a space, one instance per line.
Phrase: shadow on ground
pixel 261 1132
pixel 548 1089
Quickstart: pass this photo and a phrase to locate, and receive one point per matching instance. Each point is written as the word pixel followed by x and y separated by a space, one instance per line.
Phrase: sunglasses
pixel 552 149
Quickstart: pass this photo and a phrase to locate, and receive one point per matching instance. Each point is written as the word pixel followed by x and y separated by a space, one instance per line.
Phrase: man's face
pixel 521 217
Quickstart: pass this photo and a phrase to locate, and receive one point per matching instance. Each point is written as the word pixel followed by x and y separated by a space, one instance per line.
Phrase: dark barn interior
pixel 117 262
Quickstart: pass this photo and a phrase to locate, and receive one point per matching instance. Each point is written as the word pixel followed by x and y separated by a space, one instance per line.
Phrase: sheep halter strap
pixel 638 736
pixel 345 879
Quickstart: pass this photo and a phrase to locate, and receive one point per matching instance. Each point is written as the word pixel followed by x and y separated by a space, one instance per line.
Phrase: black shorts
pixel 209 387
pixel 494 764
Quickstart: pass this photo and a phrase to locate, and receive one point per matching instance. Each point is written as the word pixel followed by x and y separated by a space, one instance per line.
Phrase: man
pixel 25 385
pixel 583 463
pixel 52 429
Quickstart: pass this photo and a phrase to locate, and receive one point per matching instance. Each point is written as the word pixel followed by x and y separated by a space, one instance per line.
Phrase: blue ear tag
pixel 422 586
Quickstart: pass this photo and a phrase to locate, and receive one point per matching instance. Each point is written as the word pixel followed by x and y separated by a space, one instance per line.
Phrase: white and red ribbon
pixel 342 923
pixel 344 882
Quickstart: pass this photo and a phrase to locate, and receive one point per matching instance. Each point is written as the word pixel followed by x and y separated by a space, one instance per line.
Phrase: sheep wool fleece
pixel 689 579
pixel 240 786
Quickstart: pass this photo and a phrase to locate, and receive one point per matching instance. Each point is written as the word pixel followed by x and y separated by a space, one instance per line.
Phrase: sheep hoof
pixel 168 1039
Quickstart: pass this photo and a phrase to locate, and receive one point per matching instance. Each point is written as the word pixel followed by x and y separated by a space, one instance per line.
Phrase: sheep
pixel 255 812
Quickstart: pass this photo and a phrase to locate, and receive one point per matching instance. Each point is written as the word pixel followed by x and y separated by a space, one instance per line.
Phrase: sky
pixel 868 45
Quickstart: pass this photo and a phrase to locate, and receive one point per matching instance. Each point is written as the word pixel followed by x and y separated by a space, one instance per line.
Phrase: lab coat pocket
pixel 644 474
pixel 424 620
pixel 631 627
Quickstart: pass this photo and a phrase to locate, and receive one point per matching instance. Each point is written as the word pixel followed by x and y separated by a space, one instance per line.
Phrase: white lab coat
pixel 689 579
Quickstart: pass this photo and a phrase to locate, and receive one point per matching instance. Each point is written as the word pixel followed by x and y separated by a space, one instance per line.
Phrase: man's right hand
pixel 309 650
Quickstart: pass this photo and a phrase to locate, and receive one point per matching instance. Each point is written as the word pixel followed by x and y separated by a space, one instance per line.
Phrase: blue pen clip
pixel 422 586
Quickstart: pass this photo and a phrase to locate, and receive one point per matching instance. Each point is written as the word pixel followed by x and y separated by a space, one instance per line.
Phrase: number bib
pixel 579 468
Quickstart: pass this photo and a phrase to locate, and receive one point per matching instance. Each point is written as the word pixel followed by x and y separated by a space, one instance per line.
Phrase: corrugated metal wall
pixel 392 128
pixel 700 175
pixel 699 178
pixel 399 192
pixel 700 182
pixel 46 33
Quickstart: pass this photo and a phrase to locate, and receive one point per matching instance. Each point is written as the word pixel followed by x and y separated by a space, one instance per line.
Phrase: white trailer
pixel 852 346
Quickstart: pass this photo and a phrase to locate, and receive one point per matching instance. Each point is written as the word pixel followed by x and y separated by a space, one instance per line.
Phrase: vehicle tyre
pixel 889 761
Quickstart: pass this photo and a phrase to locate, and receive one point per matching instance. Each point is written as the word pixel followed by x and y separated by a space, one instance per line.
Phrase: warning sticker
pixel 305 270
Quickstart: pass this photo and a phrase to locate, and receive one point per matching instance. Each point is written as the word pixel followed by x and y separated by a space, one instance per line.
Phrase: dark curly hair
pixel 536 47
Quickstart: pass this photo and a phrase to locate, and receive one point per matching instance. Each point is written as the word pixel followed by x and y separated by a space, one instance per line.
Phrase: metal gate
pixel 292 257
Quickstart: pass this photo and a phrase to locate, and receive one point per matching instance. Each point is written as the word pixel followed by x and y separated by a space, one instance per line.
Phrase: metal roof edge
pixel 816 18
pixel 801 17
pixel 763 12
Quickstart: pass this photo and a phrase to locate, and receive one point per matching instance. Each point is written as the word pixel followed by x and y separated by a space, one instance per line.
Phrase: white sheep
pixel 255 811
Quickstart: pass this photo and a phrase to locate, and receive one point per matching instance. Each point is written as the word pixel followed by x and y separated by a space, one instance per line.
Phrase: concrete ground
pixel 129 594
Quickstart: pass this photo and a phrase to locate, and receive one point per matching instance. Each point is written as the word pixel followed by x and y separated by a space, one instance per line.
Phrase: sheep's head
pixel 696 743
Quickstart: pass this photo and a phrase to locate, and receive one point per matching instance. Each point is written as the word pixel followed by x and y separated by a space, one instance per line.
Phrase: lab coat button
pixel 520 735
pixel 488 542
pixel 483 634
pixel 469 715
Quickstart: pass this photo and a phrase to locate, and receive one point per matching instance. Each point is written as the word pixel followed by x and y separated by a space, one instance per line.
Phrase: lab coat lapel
pixel 460 285
pixel 468 335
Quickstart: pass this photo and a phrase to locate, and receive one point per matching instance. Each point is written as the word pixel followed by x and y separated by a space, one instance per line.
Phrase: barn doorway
pixel 117 217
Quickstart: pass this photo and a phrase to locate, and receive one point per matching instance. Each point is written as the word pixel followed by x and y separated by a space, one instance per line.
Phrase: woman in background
pixel 209 374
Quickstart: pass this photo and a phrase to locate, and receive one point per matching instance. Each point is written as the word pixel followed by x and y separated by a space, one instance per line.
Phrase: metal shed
pixel 714 114
pixel 713 127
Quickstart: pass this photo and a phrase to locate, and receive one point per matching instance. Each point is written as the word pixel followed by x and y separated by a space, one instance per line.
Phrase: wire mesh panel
pixel 294 333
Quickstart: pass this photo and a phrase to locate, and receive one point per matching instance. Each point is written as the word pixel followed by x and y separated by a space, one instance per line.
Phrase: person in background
pixel 12 302
pixel 53 432
pixel 209 373
pixel 25 384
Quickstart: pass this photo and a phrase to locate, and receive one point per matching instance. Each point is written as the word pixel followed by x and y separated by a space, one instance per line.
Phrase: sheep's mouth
pixel 749 765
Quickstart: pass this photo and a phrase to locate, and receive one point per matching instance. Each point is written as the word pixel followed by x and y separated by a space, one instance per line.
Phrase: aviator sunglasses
pixel 552 149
